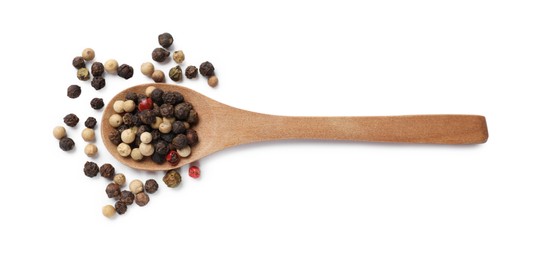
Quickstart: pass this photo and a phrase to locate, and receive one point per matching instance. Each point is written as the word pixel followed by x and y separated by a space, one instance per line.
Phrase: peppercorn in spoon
pixel 220 126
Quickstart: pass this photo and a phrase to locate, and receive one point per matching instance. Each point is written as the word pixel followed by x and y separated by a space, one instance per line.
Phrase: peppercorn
pixel 83 74
pixel 158 76
pixel 97 103
pixel 160 54
pixel 136 154
pixel 172 157
pixel 175 73
pixel 178 127
pixel 167 110
pixel 115 120
pixel 90 150
pixel 172 178
pixel 66 144
pixel 206 69
pixel 147 69
pixel 194 172
pixel 193 117
pixel 88 54
pixel 212 81
pixel 111 66
pixel 142 199
pixel 165 40
pixel 168 138
pixel 107 171
pixel 98 82
pixel 74 91
pixel 128 136
pixel 114 136
pixel 191 72
pixel 90 122
pixel 151 186
pixel 113 190
pixel 156 96
pixel 172 97
pixel 161 148
pixel 144 103
pixel 97 69
pixel 125 71
pixel 120 207
pixel 59 132
pixel 78 62
pixel 127 197
pixel 184 152
pixel 180 141
pixel 120 179
pixel 192 137
pixel 129 105
pixel 90 169
pixel 178 56
pixel 124 150
pixel 71 120
pixel 156 135
pixel 136 186
pixel 108 211
pixel 158 158
pixel 142 129
pixel 146 117
pixel 146 149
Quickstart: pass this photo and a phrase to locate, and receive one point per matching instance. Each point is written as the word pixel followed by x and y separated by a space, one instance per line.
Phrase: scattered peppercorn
pixel 90 169
pixel 172 178
pixel 125 71
pixel 206 69
pixel 165 40
pixel 194 172
pixel 97 69
pixel 74 91
pixel 158 76
pixel 97 103
pixel 120 207
pixel 127 197
pixel 90 122
pixel 113 190
pixel 178 56
pixel 120 179
pixel 107 171
pixel 142 199
pixel 160 54
pixel 98 82
pixel 111 66
pixel 71 120
pixel 78 62
pixel 212 81
pixel 191 72
pixel 90 150
pixel 83 74
pixel 151 186
pixel 175 73
pixel 88 54
pixel 108 211
pixel 136 186
pixel 59 132
pixel 66 144
pixel 147 69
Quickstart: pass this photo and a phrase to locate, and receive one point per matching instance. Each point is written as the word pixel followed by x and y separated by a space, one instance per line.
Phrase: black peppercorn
pixel 113 190
pixel 115 137
pixel 66 144
pixel 156 134
pixel 78 62
pixel 182 110
pixel 156 96
pixel 74 91
pixel 90 169
pixel 97 103
pixel 142 199
pixel 192 136
pixel 193 117
pixel 167 110
pixel 206 69
pixel 168 138
pixel 98 83
pixel 128 119
pixel 97 69
pixel 180 141
pixel 107 171
pixel 160 54
pixel 125 71
pixel 122 127
pixel 71 120
pixel 165 40
pixel 131 96
pixel 161 148
pixel 120 207
pixel 151 186
pixel 90 122
pixel 175 73
pixel 178 127
pixel 158 158
pixel 172 97
pixel 191 72
pixel 142 129
pixel 127 197
pixel 146 117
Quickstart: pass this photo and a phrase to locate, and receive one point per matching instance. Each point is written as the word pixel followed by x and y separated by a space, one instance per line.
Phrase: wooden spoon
pixel 221 126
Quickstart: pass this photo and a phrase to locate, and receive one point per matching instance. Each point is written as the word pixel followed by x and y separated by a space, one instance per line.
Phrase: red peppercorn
pixel 172 157
pixel 145 104
pixel 194 172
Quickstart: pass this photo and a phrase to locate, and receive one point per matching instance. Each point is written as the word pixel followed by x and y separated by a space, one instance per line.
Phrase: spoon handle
pixel 430 129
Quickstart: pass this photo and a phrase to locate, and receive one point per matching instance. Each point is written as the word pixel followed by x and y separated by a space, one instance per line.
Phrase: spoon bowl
pixel 221 126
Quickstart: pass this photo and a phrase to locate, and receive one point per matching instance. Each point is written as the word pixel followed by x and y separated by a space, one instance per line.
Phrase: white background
pixel 291 199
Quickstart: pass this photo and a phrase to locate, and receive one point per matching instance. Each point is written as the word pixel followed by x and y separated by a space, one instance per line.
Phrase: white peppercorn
pixel 147 69
pixel 128 136
pixel 212 81
pixel 110 66
pixel 146 149
pixel 178 56
pixel 169 120
pixel 129 106
pixel 136 186
pixel 88 54
pixel 115 120
pixel 158 76
pixel 118 106
pixel 59 132
pixel 145 137
pixel 156 123
pixel 124 149
pixel 120 179
pixel 148 90
pixel 136 155
pixel 165 127
pixel 184 152
pixel 108 211
pixel 88 134
pixel 90 150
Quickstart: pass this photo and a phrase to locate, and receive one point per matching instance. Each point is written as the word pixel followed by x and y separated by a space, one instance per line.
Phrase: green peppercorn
pixel 175 73
pixel 178 56
pixel 172 178
pixel 83 74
